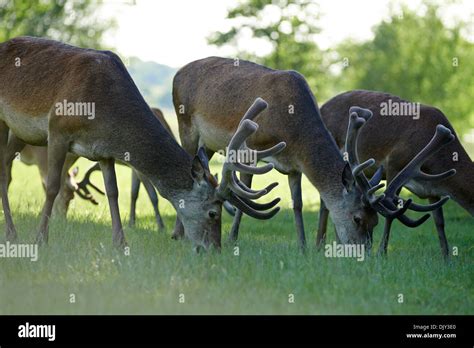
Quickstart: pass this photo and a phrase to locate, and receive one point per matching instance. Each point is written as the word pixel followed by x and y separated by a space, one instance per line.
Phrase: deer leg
pixel 294 180
pixel 323 223
pixel 234 231
pixel 178 231
pixel 57 152
pixel 150 189
pixel 439 222
pixel 110 181
pixel 386 235
pixel 11 234
pixel 134 197
pixel 14 147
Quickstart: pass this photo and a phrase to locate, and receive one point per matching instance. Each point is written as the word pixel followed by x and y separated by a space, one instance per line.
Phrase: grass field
pixel 80 260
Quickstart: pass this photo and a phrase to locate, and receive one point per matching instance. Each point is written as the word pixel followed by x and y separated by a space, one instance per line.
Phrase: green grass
pixel 80 260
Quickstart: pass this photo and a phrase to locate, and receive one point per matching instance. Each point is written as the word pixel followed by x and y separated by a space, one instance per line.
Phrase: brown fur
pixel 161 117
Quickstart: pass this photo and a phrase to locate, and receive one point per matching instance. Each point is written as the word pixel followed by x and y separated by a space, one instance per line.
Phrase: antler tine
pixel 429 207
pixel 231 188
pixel 377 177
pixel 274 150
pixel 229 208
pixel 241 205
pixel 366 114
pixel 441 137
pixel 257 107
pixel 240 191
pixel 82 187
pixel 375 188
pixel 258 193
pixel 413 223
pixel 261 206
pixel 434 177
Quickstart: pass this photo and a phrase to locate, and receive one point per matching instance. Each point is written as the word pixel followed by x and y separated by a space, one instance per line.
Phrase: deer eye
pixel 212 214
pixel 357 219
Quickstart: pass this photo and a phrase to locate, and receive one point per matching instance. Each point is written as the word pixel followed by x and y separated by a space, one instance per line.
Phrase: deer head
pixel 389 204
pixel 201 216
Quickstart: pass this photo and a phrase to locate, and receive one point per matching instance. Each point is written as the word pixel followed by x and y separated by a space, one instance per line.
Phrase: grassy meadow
pixel 80 260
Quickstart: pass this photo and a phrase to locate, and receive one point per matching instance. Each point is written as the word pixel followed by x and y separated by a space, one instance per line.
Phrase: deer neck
pixel 160 158
pixel 323 164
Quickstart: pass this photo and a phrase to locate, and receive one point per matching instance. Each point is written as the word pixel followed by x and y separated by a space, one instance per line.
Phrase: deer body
pixel 123 129
pixel 392 141
pixel 210 94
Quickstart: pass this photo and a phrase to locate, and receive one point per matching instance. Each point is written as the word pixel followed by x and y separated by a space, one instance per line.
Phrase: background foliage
pixel 418 58
pixel 71 21
pixel 412 54
pixel 289 28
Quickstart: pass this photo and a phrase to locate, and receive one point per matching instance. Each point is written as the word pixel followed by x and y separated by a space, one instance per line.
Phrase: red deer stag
pixel 392 141
pixel 45 86
pixel 210 94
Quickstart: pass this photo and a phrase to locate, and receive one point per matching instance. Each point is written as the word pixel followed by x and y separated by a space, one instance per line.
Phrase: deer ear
pixel 198 172
pixel 347 177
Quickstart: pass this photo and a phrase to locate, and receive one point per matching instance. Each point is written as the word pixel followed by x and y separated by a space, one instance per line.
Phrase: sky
pixel 174 32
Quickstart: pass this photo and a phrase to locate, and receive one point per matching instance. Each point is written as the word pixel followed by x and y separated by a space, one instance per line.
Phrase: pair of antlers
pixel 389 204
pixel 233 190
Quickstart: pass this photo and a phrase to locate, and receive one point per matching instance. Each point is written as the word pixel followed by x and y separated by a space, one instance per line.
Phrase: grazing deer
pixel 84 102
pixel 137 179
pixel 210 94
pixel 392 141
pixel 38 156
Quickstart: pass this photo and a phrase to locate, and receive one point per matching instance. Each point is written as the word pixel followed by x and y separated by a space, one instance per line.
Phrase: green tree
pixel 287 27
pixel 418 58
pixel 71 21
